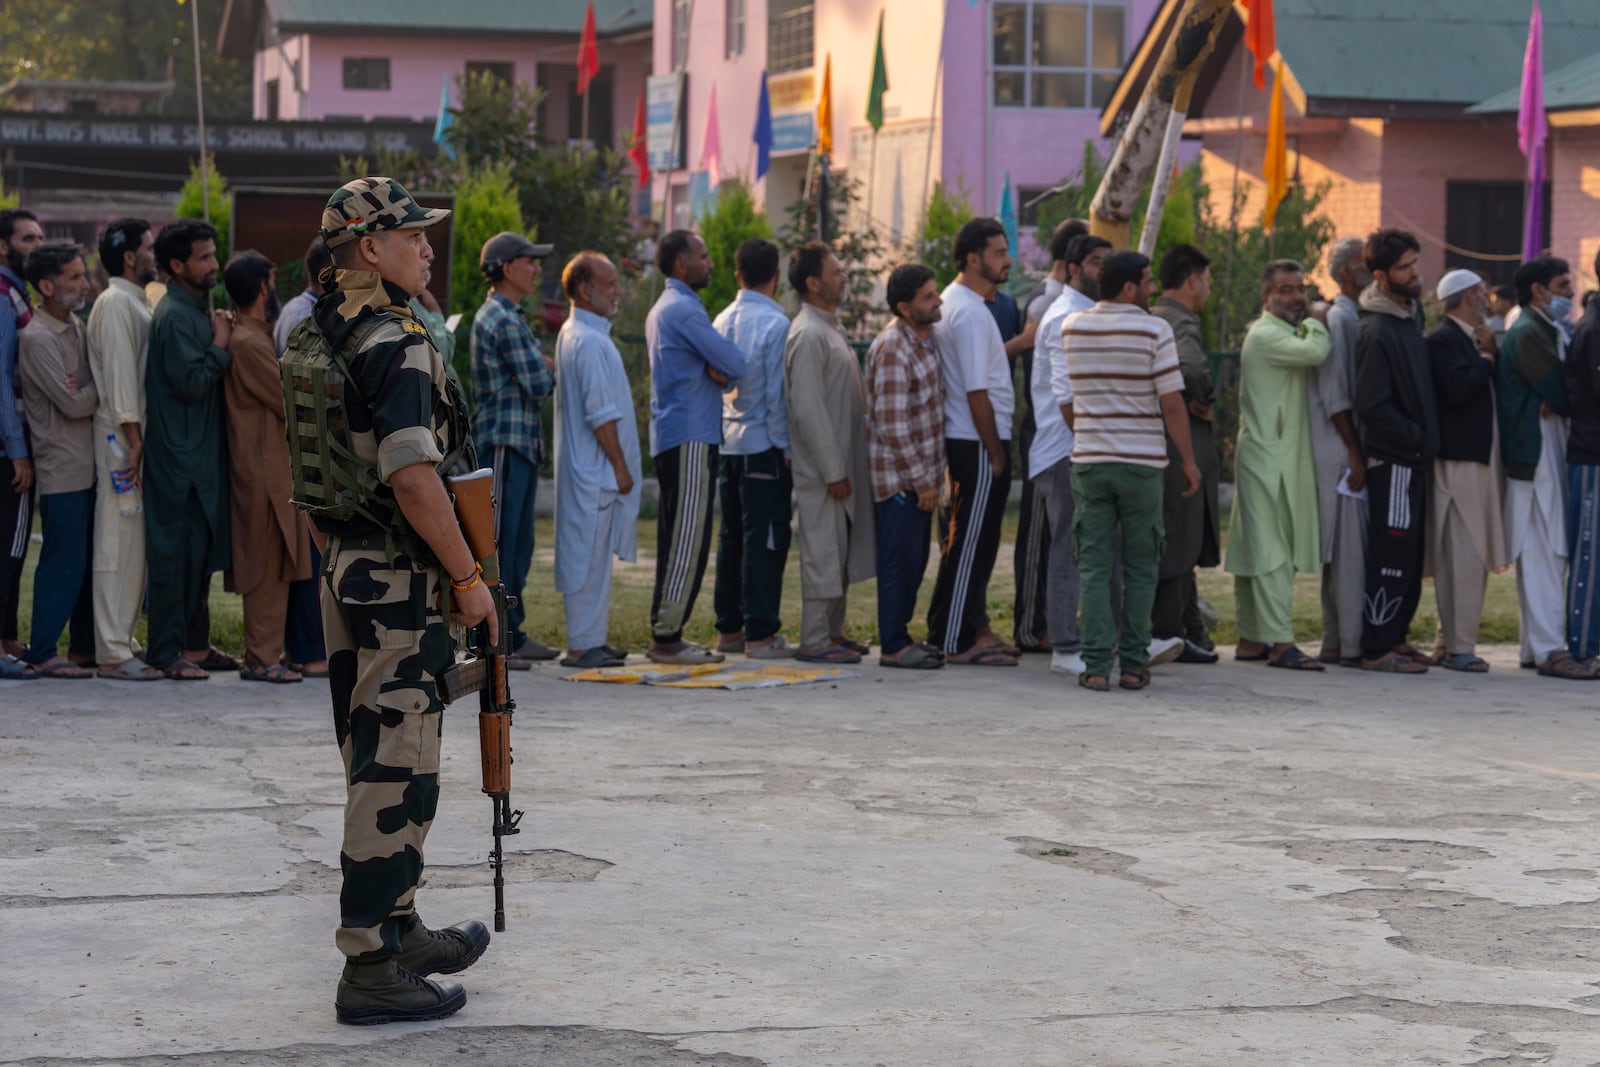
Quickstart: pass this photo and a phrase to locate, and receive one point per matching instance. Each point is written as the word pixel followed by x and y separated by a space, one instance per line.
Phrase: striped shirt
pixel 1121 361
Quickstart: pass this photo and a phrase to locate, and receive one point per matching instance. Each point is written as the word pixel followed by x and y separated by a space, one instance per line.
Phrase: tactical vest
pixel 331 482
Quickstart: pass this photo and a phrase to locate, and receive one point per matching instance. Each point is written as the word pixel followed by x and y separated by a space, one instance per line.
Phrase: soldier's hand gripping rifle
pixel 485 672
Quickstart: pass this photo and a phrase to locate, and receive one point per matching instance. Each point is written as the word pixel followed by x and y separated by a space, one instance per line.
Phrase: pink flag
pixel 1531 133
pixel 711 151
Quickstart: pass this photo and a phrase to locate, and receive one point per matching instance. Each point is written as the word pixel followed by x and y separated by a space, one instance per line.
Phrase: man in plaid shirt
pixel 905 447
pixel 510 380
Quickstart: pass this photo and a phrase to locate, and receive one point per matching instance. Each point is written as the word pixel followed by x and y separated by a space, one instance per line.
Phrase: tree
pixel 191 204
pixel 486 204
pixel 575 197
pixel 1300 234
pixel 860 248
pixel 947 211
pixel 730 224
pixel 126 40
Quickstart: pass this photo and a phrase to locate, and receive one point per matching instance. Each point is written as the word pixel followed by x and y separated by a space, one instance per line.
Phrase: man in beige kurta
pixel 271 540
pixel 1466 527
pixel 119 334
pixel 828 450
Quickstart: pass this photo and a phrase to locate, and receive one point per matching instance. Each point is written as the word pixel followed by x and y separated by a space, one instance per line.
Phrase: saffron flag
pixel 825 110
pixel 1531 133
pixel 880 82
pixel 711 147
pixel 447 119
pixel 763 132
pixel 639 151
pixel 1275 167
pixel 1260 36
pixel 588 54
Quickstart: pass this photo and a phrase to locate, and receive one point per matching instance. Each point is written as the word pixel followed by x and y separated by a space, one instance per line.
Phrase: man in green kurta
pixel 185 458
pixel 1274 530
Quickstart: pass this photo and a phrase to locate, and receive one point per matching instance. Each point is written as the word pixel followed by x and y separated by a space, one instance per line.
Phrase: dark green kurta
pixel 185 466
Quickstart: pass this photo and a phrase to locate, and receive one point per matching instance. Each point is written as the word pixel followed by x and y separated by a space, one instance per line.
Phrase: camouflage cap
pixel 368 205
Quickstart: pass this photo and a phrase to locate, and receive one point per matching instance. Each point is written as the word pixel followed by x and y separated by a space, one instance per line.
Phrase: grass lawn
pixel 631 588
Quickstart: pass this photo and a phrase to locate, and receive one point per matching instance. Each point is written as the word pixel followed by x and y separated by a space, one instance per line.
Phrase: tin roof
pixel 1576 85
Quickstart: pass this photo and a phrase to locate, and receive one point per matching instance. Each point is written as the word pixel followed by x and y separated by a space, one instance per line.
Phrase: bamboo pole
pixel 1139 149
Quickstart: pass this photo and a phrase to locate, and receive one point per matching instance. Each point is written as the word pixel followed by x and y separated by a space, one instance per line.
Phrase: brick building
pixel 1408 111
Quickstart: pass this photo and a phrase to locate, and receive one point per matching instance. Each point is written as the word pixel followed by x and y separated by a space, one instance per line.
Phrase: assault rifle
pixel 484 672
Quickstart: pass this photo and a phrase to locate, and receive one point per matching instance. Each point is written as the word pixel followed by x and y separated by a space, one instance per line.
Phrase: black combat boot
pixel 424 951
pixel 385 992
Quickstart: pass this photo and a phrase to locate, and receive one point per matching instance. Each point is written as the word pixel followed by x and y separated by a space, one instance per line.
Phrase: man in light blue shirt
pixel 690 363
pixel 756 484
pixel 597 460
pixel 298 309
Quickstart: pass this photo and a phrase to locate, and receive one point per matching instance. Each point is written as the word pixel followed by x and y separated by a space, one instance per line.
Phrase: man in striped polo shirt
pixel 1126 388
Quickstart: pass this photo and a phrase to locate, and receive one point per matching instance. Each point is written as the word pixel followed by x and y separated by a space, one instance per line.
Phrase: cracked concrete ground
pixel 1236 866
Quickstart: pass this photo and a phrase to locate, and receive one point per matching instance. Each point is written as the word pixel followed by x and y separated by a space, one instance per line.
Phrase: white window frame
pixel 1028 70
pixel 737 28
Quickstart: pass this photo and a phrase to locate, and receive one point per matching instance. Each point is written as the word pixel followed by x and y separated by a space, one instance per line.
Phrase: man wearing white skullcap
pixel 1466 534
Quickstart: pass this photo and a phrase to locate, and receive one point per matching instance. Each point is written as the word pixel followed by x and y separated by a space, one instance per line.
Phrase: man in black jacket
pixel 1400 430
pixel 1582 371
pixel 1467 528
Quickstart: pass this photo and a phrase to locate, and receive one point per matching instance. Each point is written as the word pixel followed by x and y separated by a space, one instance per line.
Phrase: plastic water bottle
pixel 128 502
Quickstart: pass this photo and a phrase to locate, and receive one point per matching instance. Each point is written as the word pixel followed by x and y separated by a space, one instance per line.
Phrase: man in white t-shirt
pixel 978 407
pixel 1050 457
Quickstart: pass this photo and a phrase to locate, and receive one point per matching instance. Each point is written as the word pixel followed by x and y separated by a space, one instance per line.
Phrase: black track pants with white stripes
pixel 969 539
pixel 16 520
pixel 688 478
pixel 1396 542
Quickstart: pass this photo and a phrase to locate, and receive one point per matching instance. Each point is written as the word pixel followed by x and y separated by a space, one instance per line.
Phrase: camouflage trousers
pixel 386 642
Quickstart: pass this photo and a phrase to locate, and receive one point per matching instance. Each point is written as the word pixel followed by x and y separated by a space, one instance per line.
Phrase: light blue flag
pixel 1008 214
pixel 445 121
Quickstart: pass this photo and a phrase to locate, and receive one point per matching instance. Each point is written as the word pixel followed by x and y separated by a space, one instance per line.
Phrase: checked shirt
pixel 905 412
pixel 509 380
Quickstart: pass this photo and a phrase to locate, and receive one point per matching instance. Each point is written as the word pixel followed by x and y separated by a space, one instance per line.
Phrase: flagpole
pixel 200 113
pixel 933 118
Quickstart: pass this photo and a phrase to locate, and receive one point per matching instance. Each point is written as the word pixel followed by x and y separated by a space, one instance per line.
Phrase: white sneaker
pixel 1164 650
pixel 1067 663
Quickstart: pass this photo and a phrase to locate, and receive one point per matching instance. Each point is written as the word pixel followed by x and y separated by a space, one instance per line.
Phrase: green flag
pixel 880 82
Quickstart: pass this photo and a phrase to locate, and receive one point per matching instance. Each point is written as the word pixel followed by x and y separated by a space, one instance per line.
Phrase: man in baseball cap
pixel 1466 530
pixel 511 378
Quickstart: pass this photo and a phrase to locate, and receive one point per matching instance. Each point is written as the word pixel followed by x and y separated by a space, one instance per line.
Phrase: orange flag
pixel 825 109
pixel 1275 167
pixel 1260 35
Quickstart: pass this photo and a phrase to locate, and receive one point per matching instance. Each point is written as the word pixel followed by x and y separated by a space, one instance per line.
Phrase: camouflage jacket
pixel 403 401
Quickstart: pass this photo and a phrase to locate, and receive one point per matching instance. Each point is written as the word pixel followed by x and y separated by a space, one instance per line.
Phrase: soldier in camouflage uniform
pixel 384 603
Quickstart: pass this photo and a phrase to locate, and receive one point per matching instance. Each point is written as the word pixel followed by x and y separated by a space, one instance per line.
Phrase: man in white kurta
pixel 1274 531
pixel 597 460
pixel 118 335
pixel 828 449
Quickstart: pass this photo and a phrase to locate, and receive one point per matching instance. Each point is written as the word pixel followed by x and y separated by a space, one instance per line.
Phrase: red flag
pixel 639 151
pixel 588 55
pixel 1260 36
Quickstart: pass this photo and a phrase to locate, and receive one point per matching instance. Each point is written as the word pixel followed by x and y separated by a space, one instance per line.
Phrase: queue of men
pixel 1368 453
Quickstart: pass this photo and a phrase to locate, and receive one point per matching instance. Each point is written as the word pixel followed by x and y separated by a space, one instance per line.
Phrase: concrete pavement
pixel 971 866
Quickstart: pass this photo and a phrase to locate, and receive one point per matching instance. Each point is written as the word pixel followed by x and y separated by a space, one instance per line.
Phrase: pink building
pixel 1388 106
pixel 342 59
pixel 975 91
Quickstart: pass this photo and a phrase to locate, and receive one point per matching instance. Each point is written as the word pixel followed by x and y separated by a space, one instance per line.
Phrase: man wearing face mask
pixel 597 460
pixel 1531 399
pixel 1400 431
pixel 1466 528
pixel 1274 525
pixel 58 391
pixel 20 233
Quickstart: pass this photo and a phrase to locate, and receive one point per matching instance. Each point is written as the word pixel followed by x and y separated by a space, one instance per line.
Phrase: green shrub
pixel 947 211
pixel 486 204
pixel 191 204
pixel 734 220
